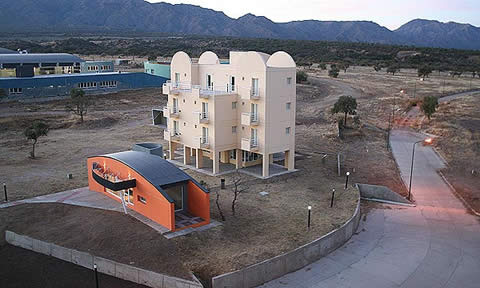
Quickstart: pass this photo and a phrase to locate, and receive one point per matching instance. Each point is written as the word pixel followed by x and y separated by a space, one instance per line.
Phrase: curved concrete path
pixel 436 244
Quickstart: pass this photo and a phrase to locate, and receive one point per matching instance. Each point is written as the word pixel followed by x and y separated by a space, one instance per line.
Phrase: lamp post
pixel 309 216
pixel 426 141
pixel 346 179
pixel 5 191
pixel 96 275
pixel 333 197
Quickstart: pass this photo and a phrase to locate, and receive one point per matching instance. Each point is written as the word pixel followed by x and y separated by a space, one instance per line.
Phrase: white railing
pixel 253 142
pixel 203 115
pixel 249 144
pixel 209 90
pixel 254 92
pixel 253 117
pixel 175 110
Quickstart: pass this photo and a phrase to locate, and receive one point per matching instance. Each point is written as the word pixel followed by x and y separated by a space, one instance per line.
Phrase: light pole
pixel 427 141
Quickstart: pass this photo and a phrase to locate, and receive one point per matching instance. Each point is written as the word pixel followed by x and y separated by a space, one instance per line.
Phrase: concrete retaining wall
pixel 278 266
pixel 380 192
pixel 106 266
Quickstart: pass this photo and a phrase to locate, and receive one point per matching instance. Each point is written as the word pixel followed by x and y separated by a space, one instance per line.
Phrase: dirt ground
pixel 457 123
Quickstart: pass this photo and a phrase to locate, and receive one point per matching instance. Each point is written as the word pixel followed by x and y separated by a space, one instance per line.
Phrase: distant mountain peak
pixel 139 15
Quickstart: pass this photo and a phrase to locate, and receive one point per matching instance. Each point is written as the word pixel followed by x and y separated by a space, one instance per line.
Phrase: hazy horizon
pixel 386 13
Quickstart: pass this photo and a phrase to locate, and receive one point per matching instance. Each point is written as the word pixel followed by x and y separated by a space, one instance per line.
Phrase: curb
pixel 388 202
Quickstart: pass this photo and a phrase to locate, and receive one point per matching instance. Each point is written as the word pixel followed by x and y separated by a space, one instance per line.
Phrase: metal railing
pixel 203 115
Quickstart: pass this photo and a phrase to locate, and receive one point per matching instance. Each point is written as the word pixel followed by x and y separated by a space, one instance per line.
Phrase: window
pixel 87 85
pixel 128 196
pixel 250 156
pixel 289 104
pixel 142 199
pixel 234 105
pixel 234 129
pixel 108 84
pixel 15 91
pixel 233 154
pixel 289 80
pixel 287 130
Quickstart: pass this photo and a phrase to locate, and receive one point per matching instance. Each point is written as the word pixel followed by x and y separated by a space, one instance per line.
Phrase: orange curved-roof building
pixel 151 186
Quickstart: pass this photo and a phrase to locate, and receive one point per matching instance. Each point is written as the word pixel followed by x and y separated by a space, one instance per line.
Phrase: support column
pixel 172 148
pixel 238 160
pixel 290 159
pixel 270 158
pixel 216 162
pixel 266 165
pixel 186 154
pixel 199 158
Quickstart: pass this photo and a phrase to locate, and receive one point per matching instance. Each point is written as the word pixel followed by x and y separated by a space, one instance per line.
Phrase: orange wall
pixel 157 208
pixel 198 202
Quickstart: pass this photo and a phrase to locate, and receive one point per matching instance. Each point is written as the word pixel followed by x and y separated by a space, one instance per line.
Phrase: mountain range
pixel 44 16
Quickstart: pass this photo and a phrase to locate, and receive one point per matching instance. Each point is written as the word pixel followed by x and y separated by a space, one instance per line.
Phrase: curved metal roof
pixel 40 58
pixel 156 170
pixel 6 51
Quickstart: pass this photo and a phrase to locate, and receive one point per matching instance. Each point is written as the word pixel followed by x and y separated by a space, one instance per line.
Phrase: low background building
pixel 157 68
pixel 96 66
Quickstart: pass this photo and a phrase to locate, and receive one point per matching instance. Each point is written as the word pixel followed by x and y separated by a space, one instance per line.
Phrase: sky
pixel 389 13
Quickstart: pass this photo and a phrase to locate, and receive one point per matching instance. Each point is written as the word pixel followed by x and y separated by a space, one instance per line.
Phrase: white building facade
pixel 240 113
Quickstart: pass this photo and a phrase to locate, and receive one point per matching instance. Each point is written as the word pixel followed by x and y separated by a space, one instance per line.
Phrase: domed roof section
pixel 181 56
pixel 208 57
pixel 281 59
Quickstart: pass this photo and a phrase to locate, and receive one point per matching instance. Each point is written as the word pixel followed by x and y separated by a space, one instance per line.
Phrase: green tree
pixel 36 130
pixel 346 105
pixel 301 76
pixel 79 103
pixel 323 66
pixel 429 105
pixel 333 72
pixel 377 68
pixel 392 69
pixel 424 71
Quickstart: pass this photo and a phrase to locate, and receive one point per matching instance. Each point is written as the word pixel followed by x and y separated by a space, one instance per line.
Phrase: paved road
pixel 436 244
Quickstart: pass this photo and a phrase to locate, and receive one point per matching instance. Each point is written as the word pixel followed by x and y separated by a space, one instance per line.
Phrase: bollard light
pixel 346 179
pixel 333 197
pixel 309 216
pixel 5 191
pixel 96 275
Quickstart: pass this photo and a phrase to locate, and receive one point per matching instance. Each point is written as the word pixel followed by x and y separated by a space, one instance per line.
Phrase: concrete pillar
pixel 270 158
pixel 186 154
pixel 238 160
pixel 199 158
pixel 266 165
pixel 216 162
pixel 289 160
pixel 172 146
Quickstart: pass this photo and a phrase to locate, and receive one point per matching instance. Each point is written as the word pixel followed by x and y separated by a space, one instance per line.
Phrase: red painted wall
pixel 198 202
pixel 157 208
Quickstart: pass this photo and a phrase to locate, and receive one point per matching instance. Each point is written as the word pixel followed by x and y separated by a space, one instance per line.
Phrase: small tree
pixel 346 105
pixel 392 69
pixel 424 71
pixel 237 189
pixel 429 105
pixel 333 72
pixel 344 67
pixel 377 68
pixel 323 66
pixel 36 130
pixel 301 76
pixel 79 103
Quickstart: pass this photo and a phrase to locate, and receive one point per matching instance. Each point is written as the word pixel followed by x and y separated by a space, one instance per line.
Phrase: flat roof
pixel 7 51
pixel 68 75
pixel 39 58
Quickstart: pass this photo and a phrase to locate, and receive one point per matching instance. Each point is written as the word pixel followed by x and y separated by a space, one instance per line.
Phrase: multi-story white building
pixel 238 113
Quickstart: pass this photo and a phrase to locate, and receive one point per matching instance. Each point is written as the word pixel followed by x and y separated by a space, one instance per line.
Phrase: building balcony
pixel 249 144
pixel 171 112
pixel 171 135
pixel 170 88
pixel 201 142
pixel 254 94
pixel 249 119
pixel 203 117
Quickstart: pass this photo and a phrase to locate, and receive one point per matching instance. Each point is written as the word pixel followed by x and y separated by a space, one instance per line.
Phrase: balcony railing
pixel 171 111
pixel 249 119
pixel 249 144
pixel 204 92
pixel 204 117
pixel 254 93
pixel 171 135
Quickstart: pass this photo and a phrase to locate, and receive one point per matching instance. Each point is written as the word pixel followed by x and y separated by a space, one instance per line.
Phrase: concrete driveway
pixel 435 244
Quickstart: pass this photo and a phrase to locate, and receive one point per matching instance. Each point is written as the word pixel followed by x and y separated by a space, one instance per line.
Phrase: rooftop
pixel 40 58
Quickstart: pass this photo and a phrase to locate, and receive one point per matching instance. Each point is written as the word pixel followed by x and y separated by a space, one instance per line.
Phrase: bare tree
pixel 79 102
pixel 237 188
pixel 217 199
pixel 36 130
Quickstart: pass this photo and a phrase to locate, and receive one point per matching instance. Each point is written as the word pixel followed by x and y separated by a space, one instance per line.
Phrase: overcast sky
pixel 389 13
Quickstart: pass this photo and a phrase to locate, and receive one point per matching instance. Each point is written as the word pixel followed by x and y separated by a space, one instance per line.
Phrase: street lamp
pixel 426 141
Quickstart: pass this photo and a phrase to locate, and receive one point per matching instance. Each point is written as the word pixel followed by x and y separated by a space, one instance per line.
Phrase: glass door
pixel 204 110
pixel 209 82
pixel 204 135
pixel 177 79
pixel 254 86
pixel 254 112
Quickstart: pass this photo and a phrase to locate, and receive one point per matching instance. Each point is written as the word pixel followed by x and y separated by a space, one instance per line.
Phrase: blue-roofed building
pixel 96 66
pixel 38 64
pixel 18 88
